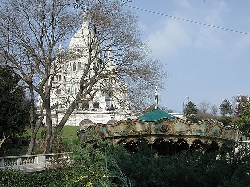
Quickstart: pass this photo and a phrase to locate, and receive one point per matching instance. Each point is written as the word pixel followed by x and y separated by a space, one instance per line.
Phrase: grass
pixel 68 132
pixel 68 135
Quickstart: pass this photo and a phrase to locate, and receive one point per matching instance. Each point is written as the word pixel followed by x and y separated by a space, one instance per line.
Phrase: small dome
pixel 112 121
pixel 85 123
pixel 155 115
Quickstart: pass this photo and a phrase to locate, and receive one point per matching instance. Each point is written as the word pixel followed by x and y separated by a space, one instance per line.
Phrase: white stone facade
pixel 66 84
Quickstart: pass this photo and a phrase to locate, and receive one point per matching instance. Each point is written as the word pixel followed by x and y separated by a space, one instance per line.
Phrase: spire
pixel 85 15
pixel 156 97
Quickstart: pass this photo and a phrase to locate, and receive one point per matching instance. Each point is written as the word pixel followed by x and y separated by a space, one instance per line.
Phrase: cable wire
pixel 190 21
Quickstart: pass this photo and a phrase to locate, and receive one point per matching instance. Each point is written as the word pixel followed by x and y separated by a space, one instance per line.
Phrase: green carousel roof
pixel 156 115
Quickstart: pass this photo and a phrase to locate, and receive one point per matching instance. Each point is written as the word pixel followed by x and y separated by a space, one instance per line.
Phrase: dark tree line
pixel 14 111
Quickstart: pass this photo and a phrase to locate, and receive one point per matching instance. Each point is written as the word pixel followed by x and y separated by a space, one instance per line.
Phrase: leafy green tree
pixel 14 116
pixel 226 108
pixel 190 111
pixel 242 111
pixel 242 119
pixel 242 105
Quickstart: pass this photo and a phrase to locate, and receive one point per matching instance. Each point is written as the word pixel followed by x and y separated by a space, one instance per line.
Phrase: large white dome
pixel 80 38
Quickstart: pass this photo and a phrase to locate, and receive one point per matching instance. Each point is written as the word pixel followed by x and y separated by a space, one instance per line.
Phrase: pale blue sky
pixel 202 63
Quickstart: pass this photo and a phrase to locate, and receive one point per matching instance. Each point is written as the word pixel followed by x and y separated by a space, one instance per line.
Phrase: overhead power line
pixel 190 21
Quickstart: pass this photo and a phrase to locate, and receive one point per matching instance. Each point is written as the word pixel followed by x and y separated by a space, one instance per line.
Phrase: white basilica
pixel 103 107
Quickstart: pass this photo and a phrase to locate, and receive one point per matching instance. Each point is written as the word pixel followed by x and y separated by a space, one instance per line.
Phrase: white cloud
pixel 207 39
pixel 243 43
pixel 229 44
pixel 170 39
pixel 214 16
pixel 143 27
pixel 210 37
pixel 239 47
pixel 185 4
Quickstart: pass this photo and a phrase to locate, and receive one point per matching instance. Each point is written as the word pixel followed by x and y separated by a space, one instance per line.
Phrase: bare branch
pixel 2 140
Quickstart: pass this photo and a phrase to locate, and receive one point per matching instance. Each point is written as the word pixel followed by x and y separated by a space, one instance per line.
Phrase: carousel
pixel 165 133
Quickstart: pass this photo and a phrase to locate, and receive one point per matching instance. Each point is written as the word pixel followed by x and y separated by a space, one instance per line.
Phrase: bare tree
pixel 31 32
pixel 207 110
pixel 214 110
pixel 204 106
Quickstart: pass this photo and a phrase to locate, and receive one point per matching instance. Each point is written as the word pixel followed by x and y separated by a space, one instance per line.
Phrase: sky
pixel 203 63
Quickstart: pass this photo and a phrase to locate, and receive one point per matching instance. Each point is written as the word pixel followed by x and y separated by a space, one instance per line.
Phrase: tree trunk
pixel 65 118
pixel 32 143
pixel 34 131
pixel 73 105
pixel 32 121
pixel 48 140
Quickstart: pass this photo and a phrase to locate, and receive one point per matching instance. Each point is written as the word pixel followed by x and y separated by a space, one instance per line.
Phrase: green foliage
pixel 226 120
pixel 91 166
pixel 95 165
pixel 196 169
pixel 243 118
pixel 243 105
pixel 65 139
pixel 190 111
pixel 13 114
pixel 46 178
pixel 226 108
pixel 104 164
pixel 14 147
pixel 243 123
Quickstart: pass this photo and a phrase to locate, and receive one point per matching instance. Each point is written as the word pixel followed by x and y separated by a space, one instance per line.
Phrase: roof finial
pixel 85 15
pixel 156 97
pixel 60 49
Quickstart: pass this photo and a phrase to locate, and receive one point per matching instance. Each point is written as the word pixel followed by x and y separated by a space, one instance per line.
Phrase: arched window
pixel 68 89
pixel 58 91
pixel 79 65
pixel 74 66
pixel 96 105
pixel 85 105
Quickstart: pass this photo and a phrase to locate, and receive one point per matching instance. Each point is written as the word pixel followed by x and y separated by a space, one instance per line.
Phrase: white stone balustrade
pixel 33 163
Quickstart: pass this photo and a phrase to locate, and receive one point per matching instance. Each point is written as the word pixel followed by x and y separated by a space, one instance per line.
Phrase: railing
pixel 33 163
